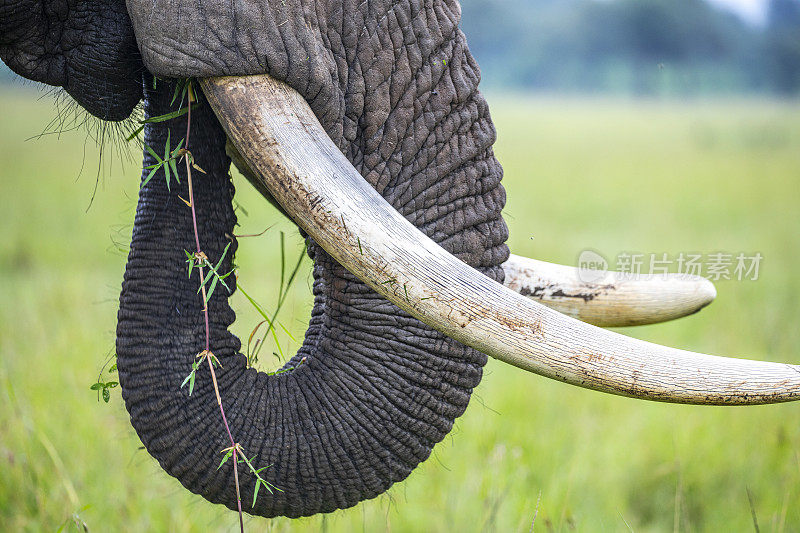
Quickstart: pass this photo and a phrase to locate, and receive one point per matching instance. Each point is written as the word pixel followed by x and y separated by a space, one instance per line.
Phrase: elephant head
pixel 364 121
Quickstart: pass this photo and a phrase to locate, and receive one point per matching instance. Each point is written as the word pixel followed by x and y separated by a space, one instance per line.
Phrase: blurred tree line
pixel 641 47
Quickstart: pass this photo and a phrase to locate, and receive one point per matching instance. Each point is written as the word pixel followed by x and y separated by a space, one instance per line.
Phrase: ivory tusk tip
pixel 697 292
pixel 706 293
pixel 606 298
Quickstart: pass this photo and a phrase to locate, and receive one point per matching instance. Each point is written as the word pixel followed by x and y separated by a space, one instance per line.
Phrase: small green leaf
pixel 149 176
pixel 177 149
pixel 167 116
pixel 106 395
pixel 255 492
pixel 208 276
pixel 190 379
pixel 204 281
pixel 211 289
pixel 111 384
pixel 177 91
pixel 222 280
pixel 225 459
pixel 97 386
pixel 153 153
pixel 173 164
pixel 224 253
pixel 166 158
pixel 113 368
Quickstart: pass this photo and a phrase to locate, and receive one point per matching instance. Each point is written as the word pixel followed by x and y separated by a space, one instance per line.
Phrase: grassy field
pixel 612 176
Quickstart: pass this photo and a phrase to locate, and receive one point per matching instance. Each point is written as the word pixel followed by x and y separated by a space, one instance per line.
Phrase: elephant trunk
pixel 376 390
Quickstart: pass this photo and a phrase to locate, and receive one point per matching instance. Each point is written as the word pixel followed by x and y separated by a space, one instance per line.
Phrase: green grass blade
pixel 283 268
pixel 287 331
pixel 135 133
pixel 211 289
pixel 149 176
pixel 153 153
pixel 166 158
pixel 167 116
pixel 255 492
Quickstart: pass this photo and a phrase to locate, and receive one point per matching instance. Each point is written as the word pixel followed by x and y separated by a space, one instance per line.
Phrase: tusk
pixel 608 299
pixel 605 299
pixel 281 139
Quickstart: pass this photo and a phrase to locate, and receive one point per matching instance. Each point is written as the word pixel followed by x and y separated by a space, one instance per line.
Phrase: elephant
pixel 364 121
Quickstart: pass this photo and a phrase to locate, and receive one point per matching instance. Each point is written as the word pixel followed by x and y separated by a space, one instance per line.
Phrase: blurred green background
pixel 641 47
pixel 705 158
pixel 635 47
pixel 609 174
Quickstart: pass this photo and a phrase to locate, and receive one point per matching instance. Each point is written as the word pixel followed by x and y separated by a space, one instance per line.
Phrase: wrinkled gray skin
pixel 395 87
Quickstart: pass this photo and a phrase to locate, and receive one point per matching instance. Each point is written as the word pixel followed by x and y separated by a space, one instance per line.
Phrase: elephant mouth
pixel 288 153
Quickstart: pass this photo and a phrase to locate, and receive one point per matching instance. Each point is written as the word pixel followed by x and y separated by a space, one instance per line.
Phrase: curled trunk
pixel 377 388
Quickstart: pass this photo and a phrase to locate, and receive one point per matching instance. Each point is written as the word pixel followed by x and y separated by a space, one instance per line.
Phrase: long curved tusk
pixel 605 299
pixel 279 136
pixel 608 299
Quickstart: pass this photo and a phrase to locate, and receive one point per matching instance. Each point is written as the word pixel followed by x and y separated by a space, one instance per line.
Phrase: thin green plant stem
pixel 200 261
pixel 205 313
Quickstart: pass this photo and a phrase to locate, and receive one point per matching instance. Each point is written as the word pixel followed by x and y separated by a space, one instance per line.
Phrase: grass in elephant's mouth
pixel 613 176
pixel 110 138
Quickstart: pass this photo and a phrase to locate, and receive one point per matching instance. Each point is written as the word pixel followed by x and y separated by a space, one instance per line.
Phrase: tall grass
pixel 613 176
